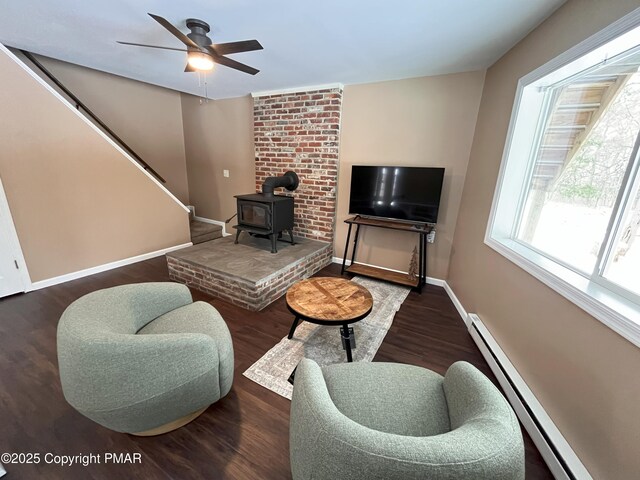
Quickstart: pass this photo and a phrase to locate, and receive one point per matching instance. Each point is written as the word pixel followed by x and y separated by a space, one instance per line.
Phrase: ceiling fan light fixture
pixel 201 52
pixel 200 61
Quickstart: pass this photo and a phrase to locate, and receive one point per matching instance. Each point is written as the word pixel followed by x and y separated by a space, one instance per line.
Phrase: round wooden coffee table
pixel 329 301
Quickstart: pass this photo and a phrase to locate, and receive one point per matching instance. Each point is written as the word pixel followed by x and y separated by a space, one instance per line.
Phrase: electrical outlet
pixel 431 236
pixel 225 173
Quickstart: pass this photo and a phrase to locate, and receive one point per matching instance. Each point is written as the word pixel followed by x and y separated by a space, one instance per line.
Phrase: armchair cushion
pixel 410 402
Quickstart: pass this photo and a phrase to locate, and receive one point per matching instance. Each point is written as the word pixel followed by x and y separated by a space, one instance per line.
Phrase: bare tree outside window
pixel 580 167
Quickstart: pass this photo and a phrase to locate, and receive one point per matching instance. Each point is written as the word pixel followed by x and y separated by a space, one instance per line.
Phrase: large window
pixel 567 204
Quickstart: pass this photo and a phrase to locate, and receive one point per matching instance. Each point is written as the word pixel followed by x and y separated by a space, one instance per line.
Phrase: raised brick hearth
pixel 297 131
pixel 247 274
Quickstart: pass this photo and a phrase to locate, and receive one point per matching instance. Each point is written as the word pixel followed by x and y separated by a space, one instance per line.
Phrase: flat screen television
pixel 401 193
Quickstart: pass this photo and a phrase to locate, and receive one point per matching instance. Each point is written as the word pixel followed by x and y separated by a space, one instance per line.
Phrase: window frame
pixel 605 300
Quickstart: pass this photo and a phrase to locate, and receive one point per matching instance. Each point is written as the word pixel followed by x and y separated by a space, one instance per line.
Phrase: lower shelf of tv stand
pixel 382 274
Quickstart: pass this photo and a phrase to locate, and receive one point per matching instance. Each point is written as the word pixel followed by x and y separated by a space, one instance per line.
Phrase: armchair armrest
pixel 122 309
pixel 327 444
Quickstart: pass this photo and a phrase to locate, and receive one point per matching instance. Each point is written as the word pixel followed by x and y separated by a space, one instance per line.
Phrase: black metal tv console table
pixel 422 229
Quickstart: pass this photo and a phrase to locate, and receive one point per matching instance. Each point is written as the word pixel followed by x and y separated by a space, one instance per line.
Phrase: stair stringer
pixel 78 200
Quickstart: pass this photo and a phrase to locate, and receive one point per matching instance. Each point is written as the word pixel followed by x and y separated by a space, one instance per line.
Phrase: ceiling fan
pixel 202 53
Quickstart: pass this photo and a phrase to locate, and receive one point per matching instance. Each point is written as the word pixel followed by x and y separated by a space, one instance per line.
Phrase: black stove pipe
pixel 289 181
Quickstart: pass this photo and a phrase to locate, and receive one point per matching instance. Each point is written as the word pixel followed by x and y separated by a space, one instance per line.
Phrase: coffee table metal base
pixel 293 327
pixel 348 340
pixel 346 333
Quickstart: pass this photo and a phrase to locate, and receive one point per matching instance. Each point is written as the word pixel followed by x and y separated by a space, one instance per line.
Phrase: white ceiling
pixel 306 42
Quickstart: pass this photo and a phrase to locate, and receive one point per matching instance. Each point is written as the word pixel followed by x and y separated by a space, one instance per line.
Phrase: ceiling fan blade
pixel 189 68
pixel 237 47
pixel 227 62
pixel 152 46
pixel 173 30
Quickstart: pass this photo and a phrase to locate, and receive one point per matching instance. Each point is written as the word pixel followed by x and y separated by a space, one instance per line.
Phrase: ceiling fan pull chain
pixel 202 82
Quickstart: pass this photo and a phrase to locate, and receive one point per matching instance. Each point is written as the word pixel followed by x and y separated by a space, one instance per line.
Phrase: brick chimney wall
pixel 301 132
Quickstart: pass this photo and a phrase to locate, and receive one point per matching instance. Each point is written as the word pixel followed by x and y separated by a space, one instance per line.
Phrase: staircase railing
pixel 79 104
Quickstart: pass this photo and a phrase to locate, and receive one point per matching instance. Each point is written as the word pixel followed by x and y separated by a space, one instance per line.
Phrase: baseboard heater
pixel 556 452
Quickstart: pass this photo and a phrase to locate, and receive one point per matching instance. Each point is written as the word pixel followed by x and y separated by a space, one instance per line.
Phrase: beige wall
pixel 584 374
pixel 427 121
pixel 76 202
pixel 218 136
pixel 146 117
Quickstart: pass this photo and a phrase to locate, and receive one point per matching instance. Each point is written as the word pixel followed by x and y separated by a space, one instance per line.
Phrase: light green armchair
pixel 386 421
pixel 143 358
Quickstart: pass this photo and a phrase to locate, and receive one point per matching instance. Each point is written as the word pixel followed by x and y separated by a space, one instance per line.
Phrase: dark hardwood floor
pixel 244 436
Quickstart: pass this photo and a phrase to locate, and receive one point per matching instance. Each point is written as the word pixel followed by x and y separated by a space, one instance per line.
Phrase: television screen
pixel 403 193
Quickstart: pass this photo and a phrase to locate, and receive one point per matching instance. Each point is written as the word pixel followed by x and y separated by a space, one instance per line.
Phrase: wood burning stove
pixel 266 214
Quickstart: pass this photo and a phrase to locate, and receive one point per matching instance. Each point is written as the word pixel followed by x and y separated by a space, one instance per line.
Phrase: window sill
pixel 615 311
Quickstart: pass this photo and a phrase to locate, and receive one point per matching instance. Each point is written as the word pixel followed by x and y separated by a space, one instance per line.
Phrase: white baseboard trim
pixel 555 450
pixel 102 268
pixel 456 303
pixel 430 280
pixel 214 222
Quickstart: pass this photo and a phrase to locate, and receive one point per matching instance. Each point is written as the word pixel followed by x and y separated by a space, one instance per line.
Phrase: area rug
pixel 323 343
